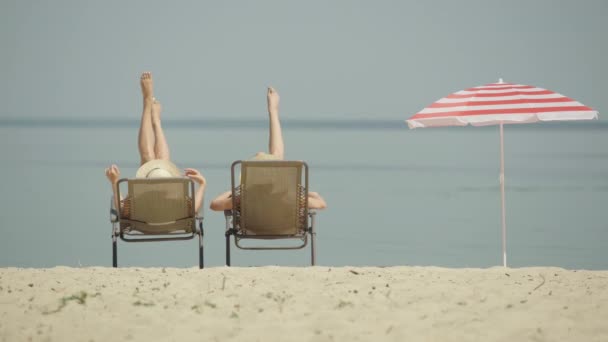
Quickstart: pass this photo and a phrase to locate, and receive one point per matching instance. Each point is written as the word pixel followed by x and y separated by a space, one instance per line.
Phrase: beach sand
pixel 303 304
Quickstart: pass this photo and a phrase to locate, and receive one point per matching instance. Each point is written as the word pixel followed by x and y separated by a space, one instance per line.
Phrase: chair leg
pixel 201 260
pixel 313 256
pixel 227 250
pixel 114 252
pixel 313 235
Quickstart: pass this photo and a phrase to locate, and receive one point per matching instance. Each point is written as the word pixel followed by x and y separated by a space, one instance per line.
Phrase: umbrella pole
pixel 502 196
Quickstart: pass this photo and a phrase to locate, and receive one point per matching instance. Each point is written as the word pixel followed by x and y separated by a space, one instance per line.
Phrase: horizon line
pixel 248 123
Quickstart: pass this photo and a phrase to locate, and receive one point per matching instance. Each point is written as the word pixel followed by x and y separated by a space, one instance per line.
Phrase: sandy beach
pixel 303 304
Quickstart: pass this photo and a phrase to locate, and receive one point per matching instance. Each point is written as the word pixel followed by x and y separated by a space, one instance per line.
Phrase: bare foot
pixel 147 85
pixel 273 101
pixel 156 109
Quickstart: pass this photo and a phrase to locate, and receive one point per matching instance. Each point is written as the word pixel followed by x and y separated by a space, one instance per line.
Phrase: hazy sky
pixel 368 59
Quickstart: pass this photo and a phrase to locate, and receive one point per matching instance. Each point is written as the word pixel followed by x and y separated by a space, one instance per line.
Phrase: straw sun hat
pixel 264 156
pixel 158 168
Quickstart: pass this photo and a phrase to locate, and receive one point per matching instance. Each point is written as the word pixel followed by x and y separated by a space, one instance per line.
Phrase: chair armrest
pixel 199 215
pixel 228 217
pixel 198 222
pixel 113 211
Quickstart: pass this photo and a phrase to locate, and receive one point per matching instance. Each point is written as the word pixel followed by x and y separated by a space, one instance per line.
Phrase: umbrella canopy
pixel 497 104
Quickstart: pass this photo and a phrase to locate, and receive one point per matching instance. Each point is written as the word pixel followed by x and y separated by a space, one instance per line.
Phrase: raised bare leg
pixel 146 138
pixel 275 141
pixel 161 148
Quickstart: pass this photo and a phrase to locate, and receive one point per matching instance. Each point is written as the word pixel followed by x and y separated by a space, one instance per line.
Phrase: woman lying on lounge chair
pixel 276 152
pixel 154 150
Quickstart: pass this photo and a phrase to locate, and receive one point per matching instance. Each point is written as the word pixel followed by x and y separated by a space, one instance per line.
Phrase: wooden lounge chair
pixel 156 209
pixel 269 202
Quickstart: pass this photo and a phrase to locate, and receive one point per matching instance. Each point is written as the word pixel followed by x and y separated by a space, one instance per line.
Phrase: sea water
pixel 395 196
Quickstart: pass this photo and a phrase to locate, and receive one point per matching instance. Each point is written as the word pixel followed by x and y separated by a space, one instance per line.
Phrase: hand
pixel 195 176
pixel 113 174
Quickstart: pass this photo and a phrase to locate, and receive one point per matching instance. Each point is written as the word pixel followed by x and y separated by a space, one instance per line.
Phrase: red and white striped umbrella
pixel 497 104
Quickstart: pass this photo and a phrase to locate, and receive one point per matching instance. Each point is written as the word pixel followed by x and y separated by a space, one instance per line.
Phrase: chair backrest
pixel 161 205
pixel 273 197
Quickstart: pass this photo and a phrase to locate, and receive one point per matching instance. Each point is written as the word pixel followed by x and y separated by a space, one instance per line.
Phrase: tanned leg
pixel 161 148
pixel 275 142
pixel 146 138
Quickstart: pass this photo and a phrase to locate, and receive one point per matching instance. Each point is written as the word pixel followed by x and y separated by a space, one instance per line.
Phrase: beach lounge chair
pixel 157 209
pixel 269 202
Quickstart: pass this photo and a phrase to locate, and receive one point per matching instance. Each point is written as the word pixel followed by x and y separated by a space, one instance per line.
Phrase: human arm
pixel 315 201
pixel 198 178
pixel 222 202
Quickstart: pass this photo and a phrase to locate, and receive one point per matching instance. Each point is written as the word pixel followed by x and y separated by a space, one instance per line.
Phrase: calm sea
pixel 396 196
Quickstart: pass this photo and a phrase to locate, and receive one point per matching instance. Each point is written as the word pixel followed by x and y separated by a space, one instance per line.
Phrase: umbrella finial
pixel 500 81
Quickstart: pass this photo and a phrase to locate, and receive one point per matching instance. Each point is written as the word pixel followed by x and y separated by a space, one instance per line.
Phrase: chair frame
pixel 117 232
pixel 231 229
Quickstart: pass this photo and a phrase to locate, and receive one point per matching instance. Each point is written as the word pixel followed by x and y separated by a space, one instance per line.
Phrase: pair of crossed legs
pixel 151 142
